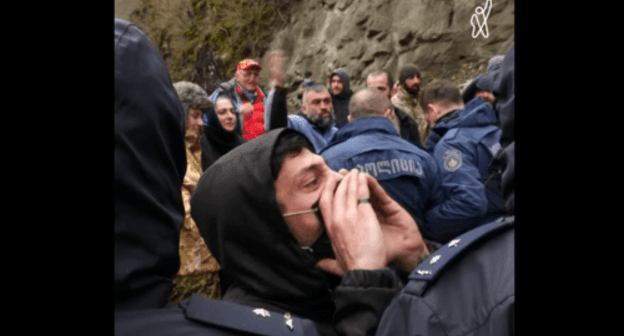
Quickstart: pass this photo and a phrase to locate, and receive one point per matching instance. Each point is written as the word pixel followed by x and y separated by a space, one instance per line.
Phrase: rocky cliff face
pixel 365 35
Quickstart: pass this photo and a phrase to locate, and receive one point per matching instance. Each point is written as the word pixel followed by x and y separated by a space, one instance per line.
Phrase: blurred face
pixel 335 84
pixel 297 187
pixel 380 83
pixel 226 115
pixel 248 79
pixel 194 121
pixel 317 103
pixel 412 85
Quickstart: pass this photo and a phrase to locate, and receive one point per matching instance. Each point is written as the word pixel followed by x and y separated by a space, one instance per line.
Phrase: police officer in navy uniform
pixel 150 164
pixel 466 287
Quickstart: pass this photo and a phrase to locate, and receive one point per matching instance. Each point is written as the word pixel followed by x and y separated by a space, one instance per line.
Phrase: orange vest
pixel 253 125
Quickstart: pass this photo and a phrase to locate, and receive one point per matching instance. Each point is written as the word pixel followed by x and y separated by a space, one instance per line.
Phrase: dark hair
pixel 440 91
pixel 307 74
pixel 383 72
pixel 289 142
pixel 408 71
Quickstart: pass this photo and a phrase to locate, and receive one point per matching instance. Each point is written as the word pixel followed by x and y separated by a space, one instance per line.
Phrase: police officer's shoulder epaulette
pixel 245 319
pixel 450 134
pixel 430 268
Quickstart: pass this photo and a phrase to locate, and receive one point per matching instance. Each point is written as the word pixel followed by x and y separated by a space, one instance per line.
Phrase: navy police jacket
pixel 466 287
pixel 407 173
pixel 204 316
pixel 463 143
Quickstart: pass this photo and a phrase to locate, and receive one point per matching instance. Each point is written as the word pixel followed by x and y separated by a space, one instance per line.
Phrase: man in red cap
pixel 247 94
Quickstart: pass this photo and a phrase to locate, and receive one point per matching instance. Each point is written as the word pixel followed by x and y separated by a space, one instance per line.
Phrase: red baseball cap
pixel 248 63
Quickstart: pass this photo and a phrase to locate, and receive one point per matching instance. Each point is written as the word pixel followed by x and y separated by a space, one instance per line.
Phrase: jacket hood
pixel 237 213
pixel 486 81
pixel 344 74
pixel 505 105
pixel 150 164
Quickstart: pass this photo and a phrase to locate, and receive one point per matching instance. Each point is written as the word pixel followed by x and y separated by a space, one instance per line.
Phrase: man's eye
pixel 311 183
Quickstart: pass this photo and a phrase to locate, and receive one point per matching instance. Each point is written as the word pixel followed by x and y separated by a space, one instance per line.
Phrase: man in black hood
pixel 237 211
pixel 341 93
pixel 150 164
pixel 257 206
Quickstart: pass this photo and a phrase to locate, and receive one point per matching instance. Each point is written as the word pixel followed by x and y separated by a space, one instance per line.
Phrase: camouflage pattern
pixel 192 96
pixel 406 103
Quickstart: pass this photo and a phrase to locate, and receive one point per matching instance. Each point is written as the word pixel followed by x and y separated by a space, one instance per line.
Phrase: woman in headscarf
pixel 198 273
pixel 219 136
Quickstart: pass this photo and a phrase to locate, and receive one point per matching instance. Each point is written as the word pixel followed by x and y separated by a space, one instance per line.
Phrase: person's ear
pixel 394 89
pixel 304 109
pixel 388 113
pixel 349 118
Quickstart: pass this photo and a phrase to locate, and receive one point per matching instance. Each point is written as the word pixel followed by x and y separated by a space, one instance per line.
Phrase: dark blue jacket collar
pixel 364 125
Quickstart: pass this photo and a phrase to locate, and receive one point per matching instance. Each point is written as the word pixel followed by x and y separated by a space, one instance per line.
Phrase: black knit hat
pixel 408 71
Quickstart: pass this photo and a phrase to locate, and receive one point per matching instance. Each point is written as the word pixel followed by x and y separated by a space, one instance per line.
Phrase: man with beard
pixel 406 125
pixel 406 97
pixel 315 119
pixel 341 93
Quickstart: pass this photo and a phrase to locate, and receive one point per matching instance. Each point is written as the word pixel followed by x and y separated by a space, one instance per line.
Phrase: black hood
pixel 346 79
pixel 237 213
pixel 150 164
pixel 504 160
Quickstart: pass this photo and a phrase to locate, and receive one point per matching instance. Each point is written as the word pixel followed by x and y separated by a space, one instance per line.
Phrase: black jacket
pixel 409 128
pixel 150 163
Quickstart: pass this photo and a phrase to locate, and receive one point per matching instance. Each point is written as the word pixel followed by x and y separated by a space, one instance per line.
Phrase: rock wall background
pixel 365 35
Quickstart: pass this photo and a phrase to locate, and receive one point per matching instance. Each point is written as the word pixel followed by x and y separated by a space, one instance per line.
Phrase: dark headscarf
pixel 236 211
pixel 216 141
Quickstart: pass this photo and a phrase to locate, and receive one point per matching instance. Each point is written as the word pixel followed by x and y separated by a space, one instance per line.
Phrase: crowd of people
pixel 234 216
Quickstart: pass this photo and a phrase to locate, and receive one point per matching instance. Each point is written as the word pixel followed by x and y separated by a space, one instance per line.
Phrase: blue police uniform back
pixel 373 145
pixel 463 143
pixel 466 287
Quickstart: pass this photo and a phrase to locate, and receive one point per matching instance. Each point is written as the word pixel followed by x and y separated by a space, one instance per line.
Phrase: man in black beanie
pixel 406 97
